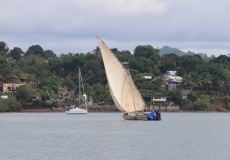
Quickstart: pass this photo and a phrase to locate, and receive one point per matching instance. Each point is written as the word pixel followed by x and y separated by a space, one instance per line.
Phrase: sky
pixel 71 26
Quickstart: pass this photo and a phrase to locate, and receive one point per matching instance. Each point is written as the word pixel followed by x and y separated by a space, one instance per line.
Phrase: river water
pixel 106 136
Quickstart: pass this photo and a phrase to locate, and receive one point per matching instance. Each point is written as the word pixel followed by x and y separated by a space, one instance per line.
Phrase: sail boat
pixel 76 108
pixel 124 92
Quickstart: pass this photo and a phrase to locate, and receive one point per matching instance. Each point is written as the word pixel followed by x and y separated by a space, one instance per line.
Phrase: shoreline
pixel 112 111
pixel 104 109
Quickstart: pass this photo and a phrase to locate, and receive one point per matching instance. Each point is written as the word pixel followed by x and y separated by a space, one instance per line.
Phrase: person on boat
pixel 157 116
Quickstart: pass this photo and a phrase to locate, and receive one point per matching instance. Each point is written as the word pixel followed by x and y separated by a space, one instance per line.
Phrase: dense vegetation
pixel 208 81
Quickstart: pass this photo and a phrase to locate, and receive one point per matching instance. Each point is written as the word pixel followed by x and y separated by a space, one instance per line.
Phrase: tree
pixel 48 54
pixel 35 49
pixel 190 63
pixel 206 80
pixel 97 51
pixel 175 96
pixel 169 62
pixel 16 53
pixel 9 104
pixel 200 105
pixel 34 64
pixel 142 64
pixel 223 59
pixel 50 84
pixel 24 93
pixel 100 93
pixel 168 65
pixel 3 48
pixel 5 68
pixel 148 52
pixel 68 84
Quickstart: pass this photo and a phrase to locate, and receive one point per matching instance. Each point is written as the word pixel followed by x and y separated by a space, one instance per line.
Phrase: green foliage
pixel 35 49
pixel 16 53
pixel 146 94
pixel 50 73
pixel 100 93
pixel 147 51
pixel 45 94
pixel 223 59
pixel 186 104
pixel 9 104
pixel 190 63
pixel 34 64
pixel 24 93
pixel 68 84
pixel 192 96
pixel 169 62
pixel 146 58
pixel 37 103
pixel 226 100
pixel 6 69
pixel 72 99
pixel 48 54
pixel 219 109
pixel 174 96
pixel 50 104
pixel 3 48
pixel 212 100
pixel 50 83
pixel 199 105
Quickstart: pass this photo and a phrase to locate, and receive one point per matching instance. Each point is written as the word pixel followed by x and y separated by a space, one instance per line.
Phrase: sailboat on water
pixel 77 108
pixel 123 90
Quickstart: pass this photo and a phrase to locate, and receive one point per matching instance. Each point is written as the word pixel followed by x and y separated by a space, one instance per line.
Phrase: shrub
pixel 9 104
pixel 37 103
pixel 200 105
pixel 219 109
pixel 226 101
pixel 24 93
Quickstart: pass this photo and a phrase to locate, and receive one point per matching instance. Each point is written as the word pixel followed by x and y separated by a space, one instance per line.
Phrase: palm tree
pixel 196 80
pixel 187 81
pixel 206 79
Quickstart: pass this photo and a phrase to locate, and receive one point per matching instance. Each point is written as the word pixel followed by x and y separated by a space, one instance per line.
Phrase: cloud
pixel 73 24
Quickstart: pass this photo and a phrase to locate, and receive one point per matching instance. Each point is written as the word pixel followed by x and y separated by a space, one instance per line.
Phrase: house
pixel 2 79
pixel 18 80
pixel 64 95
pixel 11 60
pixel 171 79
pixel 10 87
pixel 13 85
pixel 159 98
pixel 4 96
pixel 185 93
pixel 37 96
pixel 125 63
pixel 174 79
pixel 148 78
pixel 170 73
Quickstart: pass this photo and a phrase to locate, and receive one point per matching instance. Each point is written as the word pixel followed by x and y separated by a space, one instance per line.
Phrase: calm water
pixel 106 136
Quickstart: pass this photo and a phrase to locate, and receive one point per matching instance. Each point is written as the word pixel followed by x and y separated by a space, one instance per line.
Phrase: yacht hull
pixel 76 111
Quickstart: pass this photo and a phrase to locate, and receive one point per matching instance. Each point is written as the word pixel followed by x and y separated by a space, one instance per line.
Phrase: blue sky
pixel 71 26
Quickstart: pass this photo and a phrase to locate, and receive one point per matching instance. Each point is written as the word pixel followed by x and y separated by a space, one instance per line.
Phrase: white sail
pixel 125 94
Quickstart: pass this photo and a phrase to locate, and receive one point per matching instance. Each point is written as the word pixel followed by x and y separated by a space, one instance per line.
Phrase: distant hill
pixel 168 50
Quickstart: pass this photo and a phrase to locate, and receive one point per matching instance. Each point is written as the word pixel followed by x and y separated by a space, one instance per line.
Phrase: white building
pixel 159 98
pixel 4 96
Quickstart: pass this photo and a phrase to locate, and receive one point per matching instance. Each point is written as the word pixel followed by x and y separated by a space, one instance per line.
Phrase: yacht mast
pixel 79 94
